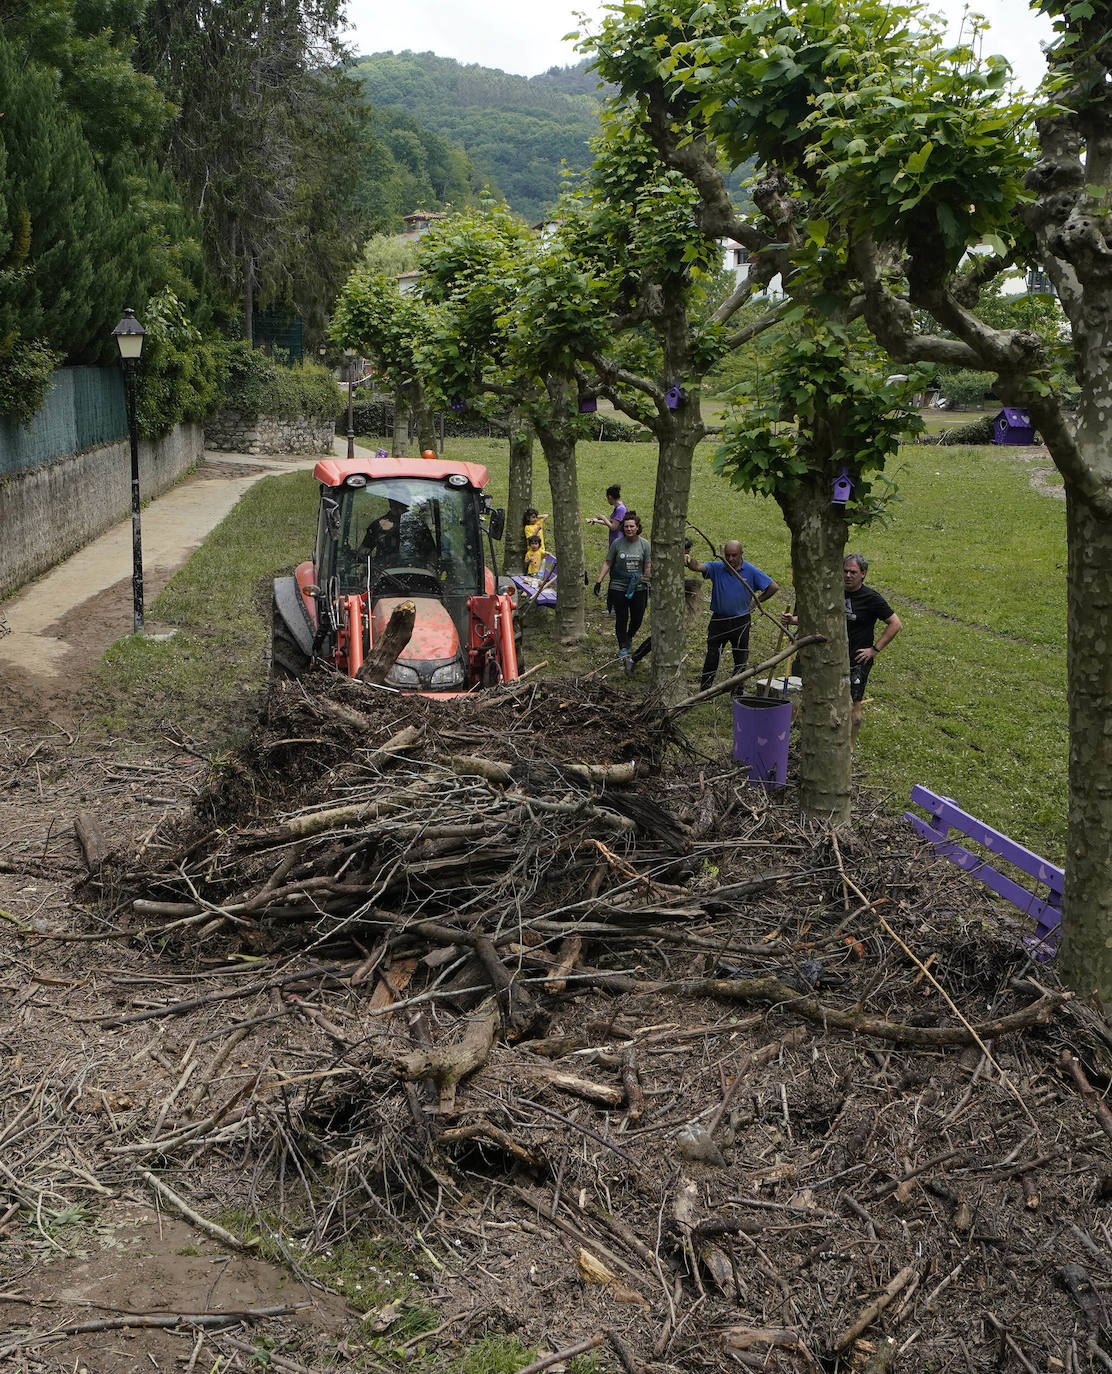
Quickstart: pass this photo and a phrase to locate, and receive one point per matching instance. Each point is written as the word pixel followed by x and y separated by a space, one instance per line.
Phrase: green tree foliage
pixel 88 222
pixel 181 376
pixel 89 45
pixel 254 384
pixel 388 255
pixel 507 308
pixel 516 131
pixel 375 318
pixel 403 166
pixel 264 141
pixel 86 247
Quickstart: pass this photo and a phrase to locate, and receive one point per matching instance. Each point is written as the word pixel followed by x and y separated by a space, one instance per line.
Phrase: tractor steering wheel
pixel 404 577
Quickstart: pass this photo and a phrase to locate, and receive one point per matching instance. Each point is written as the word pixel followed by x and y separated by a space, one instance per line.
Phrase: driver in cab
pixel 398 538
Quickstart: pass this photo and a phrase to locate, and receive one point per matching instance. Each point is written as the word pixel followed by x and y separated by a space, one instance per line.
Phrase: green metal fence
pixel 84 408
pixel 275 332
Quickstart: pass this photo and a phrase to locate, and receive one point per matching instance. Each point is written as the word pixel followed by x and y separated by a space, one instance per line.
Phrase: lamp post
pixel 349 354
pixel 129 335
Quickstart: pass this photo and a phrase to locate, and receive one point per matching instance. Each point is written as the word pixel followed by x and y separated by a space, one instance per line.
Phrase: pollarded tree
pixel 929 160
pixel 509 302
pixel 918 154
pixel 469 264
pixel 373 317
pixel 646 330
pixel 828 412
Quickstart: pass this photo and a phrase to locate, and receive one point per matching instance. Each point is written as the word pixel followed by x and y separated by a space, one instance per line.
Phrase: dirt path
pixel 63 623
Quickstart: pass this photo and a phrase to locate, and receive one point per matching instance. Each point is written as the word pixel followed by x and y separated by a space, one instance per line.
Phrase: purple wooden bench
pixel 946 815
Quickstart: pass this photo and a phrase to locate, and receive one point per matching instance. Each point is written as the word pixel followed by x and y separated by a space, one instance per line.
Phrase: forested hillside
pixel 516 130
pixel 403 164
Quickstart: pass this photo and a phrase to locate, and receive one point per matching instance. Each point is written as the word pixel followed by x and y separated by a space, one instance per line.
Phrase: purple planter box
pixel 761 729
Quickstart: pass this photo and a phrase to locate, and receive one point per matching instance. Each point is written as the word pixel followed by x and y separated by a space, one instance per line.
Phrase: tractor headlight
pixel 401 676
pixel 450 675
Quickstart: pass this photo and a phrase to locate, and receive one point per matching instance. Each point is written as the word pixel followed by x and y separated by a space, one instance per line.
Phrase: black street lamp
pixel 349 354
pixel 129 335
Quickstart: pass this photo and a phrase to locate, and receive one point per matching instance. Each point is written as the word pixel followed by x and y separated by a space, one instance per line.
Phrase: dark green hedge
pixel 377 417
pixel 26 366
pixel 256 385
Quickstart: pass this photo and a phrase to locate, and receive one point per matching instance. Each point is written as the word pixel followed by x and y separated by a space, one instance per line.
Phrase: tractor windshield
pixel 409 536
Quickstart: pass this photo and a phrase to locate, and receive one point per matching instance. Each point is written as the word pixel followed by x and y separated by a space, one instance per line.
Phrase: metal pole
pixel 130 365
pixel 351 424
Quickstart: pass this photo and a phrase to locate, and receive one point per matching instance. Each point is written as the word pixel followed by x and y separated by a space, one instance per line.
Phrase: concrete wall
pixel 50 511
pixel 230 431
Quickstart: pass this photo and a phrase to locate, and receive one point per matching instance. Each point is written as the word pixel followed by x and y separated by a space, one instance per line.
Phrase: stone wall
pixel 230 431
pixel 49 512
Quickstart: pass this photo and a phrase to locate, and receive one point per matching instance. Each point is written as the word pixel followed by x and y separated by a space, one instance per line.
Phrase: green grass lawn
pixel 970 700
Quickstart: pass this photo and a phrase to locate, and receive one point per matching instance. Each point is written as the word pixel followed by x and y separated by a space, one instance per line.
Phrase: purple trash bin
pixel 761 728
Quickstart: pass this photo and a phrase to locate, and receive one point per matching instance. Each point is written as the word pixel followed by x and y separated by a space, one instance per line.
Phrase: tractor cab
pixel 389 531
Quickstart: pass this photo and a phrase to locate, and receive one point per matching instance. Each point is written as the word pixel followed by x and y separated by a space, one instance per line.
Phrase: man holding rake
pixel 734 585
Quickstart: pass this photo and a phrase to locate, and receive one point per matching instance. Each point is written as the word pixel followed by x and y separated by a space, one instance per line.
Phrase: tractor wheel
pixel 288 660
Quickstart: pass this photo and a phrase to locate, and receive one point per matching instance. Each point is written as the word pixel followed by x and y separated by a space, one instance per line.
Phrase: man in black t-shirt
pixel 864 607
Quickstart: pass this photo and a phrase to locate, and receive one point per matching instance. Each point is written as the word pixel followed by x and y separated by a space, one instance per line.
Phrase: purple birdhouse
pixel 457 405
pixel 588 403
pixel 842 488
pixel 673 397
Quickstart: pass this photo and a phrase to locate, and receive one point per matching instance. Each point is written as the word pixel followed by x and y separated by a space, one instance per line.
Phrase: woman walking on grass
pixel 629 563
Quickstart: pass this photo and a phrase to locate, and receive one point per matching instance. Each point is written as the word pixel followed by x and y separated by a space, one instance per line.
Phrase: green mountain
pixel 515 130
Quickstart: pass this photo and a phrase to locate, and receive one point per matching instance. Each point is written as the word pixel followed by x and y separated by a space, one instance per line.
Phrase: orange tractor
pixel 392 530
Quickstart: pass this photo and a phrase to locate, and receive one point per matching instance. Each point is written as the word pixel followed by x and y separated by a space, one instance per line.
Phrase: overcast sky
pixel 525 36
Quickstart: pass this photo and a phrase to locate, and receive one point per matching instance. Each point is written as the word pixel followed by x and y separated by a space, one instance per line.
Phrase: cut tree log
pixel 91 838
pixel 447 1064
pixel 383 656
pixel 404 740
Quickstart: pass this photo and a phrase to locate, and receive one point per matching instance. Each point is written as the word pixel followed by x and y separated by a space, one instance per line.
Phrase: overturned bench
pixel 946 815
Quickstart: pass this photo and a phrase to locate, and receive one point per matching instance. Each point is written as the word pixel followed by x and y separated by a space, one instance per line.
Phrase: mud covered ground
pixel 400 1040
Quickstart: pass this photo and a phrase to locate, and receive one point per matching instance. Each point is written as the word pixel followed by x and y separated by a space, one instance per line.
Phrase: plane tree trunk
pixel 1086 953
pixel 423 418
pixel 554 423
pixel 818 539
pixel 678 433
pixel 520 495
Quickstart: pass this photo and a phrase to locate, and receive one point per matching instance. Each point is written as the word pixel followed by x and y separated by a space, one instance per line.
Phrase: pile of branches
pixel 740 1091
pixel 398 818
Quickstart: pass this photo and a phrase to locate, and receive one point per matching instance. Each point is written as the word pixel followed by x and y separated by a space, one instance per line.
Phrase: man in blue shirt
pixel 734 583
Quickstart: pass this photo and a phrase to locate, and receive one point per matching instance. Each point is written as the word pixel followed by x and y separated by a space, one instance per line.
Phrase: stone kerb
pixel 231 431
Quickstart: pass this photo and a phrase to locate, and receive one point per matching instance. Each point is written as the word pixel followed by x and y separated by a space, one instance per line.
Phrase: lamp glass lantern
pixel 129 335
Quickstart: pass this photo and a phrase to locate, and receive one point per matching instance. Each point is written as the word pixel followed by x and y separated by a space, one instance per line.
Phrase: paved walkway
pixel 174 525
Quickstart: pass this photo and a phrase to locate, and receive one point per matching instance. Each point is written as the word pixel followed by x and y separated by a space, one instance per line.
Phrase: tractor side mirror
pixel 497 526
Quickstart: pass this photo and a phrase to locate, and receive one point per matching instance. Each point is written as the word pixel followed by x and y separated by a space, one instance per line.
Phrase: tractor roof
pixel 333 471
